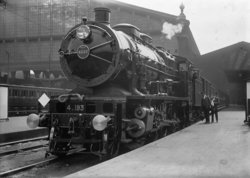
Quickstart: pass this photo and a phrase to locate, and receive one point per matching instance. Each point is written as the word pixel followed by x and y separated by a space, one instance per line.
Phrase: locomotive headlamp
pixel 33 120
pixel 100 122
pixel 83 32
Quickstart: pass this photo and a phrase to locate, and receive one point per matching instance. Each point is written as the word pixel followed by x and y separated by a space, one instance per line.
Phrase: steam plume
pixel 170 30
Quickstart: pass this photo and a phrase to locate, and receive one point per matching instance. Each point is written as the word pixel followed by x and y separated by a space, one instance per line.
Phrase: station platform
pixel 15 128
pixel 215 150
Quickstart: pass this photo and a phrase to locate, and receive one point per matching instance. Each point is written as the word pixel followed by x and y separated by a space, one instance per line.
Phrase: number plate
pixel 75 108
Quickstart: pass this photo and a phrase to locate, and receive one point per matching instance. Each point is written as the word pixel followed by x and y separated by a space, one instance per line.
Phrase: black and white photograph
pixel 125 88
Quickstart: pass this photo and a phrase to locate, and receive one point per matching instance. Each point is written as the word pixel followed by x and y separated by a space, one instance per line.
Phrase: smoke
pixel 170 30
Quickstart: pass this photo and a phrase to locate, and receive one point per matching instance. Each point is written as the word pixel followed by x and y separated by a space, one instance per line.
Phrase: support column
pixel 26 74
pixel 46 74
pixel 37 73
pixel 12 74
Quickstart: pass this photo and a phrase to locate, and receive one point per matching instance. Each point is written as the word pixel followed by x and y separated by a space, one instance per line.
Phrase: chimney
pixel 102 15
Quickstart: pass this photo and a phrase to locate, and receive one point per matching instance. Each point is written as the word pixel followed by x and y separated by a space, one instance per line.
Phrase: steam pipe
pixel 134 81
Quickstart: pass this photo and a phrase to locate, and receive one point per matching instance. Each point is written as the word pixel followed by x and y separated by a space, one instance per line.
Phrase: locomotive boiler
pixel 128 90
pixel 93 55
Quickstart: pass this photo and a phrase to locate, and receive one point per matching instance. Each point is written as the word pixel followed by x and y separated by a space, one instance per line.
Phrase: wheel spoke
pixel 100 45
pixel 105 60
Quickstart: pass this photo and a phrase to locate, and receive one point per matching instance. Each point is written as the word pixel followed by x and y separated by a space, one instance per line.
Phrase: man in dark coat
pixel 214 104
pixel 206 106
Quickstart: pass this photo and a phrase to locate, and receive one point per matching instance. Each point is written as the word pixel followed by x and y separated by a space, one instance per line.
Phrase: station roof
pixel 37 27
pixel 230 64
pixel 21 15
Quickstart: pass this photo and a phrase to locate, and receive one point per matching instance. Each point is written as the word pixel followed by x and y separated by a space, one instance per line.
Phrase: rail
pixel 31 165
pixel 23 141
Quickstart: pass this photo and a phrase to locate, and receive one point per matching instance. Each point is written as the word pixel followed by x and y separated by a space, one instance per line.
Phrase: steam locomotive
pixel 129 91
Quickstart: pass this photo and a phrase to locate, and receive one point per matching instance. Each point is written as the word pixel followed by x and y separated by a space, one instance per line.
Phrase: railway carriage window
pixel 31 93
pixel 39 93
pixel 107 107
pixel 20 93
pixel 23 93
pixel 15 92
pixel 10 92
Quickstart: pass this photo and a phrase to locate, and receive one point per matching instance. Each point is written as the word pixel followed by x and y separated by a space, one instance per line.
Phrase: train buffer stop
pixel 216 150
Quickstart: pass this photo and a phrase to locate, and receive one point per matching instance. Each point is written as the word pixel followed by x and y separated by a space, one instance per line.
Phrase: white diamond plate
pixel 43 100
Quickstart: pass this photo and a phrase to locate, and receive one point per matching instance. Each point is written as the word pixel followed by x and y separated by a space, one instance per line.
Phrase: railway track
pixel 23 141
pixel 20 157
pixel 14 151
pixel 18 148
pixel 29 166
pixel 22 145
pixel 39 162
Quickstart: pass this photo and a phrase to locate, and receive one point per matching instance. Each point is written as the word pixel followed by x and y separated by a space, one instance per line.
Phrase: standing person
pixel 206 105
pixel 214 104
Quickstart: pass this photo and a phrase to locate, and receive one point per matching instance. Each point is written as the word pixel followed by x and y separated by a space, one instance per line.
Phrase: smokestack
pixel 102 15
